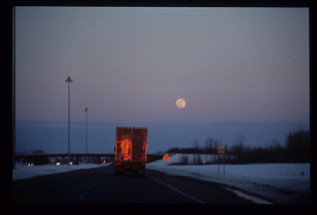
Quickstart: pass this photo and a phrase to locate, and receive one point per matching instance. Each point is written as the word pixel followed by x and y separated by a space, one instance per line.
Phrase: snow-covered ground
pixel 280 183
pixel 23 171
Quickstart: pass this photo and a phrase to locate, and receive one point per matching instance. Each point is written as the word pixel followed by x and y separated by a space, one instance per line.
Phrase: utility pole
pixel 223 163
pixel 13 91
pixel 68 80
pixel 86 110
pixel 218 164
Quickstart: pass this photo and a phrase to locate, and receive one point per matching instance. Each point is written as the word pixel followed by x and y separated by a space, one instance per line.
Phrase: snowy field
pixel 280 183
pixel 23 171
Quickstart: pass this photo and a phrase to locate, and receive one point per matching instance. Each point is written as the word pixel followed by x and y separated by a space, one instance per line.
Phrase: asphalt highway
pixel 101 185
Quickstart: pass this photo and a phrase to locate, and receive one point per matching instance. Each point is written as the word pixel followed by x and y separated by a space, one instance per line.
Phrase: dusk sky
pixel 132 64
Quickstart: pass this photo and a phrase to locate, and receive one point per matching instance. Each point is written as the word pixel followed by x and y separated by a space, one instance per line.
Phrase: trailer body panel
pixel 131 149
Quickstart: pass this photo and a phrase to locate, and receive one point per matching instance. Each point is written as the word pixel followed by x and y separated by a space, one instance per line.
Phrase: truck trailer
pixel 130 150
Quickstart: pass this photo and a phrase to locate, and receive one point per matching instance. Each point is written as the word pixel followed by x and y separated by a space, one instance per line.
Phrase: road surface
pixel 102 185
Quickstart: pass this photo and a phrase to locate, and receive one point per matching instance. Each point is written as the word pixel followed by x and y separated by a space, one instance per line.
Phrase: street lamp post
pixel 68 80
pixel 86 110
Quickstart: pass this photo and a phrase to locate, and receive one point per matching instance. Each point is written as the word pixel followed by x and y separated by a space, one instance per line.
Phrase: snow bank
pixel 282 183
pixel 23 171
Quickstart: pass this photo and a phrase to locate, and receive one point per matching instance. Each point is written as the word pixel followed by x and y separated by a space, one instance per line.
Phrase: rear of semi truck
pixel 131 150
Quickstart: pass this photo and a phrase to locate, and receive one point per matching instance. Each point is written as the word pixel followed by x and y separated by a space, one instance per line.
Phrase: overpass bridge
pixel 38 158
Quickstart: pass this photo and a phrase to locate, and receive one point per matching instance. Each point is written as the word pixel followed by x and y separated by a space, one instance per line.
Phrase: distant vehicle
pixel 131 150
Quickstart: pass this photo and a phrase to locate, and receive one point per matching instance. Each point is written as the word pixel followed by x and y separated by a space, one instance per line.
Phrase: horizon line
pixel 164 122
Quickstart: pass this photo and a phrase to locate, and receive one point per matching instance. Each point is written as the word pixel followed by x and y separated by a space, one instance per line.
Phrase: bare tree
pixel 184 159
pixel 298 146
pixel 237 148
pixel 196 146
pixel 197 159
pixel 208 145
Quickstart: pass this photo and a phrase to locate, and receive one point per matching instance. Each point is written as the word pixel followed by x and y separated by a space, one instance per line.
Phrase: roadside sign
pixel 221 149
pixel 221 152
pixel 166 157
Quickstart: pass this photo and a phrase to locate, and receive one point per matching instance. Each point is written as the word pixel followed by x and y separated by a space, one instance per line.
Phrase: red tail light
pixel 143 164
pixel 117 163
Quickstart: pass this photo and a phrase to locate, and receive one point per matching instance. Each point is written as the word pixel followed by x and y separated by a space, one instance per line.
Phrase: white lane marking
pixel 180 192
pixel 248 197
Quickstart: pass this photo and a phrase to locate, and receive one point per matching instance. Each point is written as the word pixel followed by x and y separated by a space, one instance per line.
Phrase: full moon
pixel 180 103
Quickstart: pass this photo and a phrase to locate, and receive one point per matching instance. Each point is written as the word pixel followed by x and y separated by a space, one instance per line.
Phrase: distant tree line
pixel 210 147
pixel 34 159
pixel 296 149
